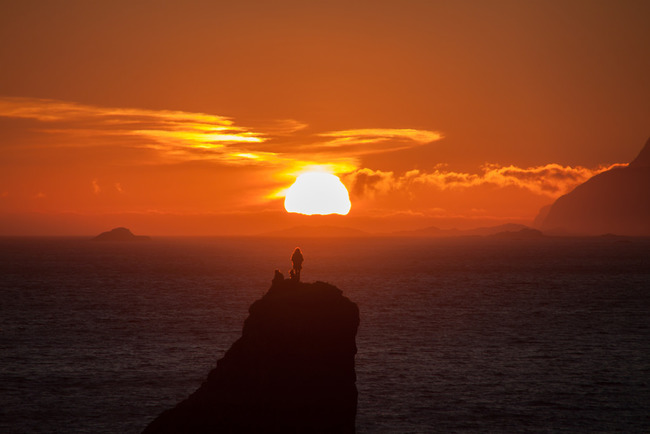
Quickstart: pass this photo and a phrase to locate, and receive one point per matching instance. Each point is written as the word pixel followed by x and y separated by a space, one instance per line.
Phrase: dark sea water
pixel 456 334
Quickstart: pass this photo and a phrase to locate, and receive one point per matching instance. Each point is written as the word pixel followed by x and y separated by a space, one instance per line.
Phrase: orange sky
pixel 192 117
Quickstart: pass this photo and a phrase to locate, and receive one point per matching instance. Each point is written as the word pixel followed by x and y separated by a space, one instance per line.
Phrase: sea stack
pixel 292 370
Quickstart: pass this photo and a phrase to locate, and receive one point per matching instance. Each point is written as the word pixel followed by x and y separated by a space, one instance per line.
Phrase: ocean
pixel 456 335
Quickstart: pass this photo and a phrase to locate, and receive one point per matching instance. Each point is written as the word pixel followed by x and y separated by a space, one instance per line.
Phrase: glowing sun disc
pixel 317 193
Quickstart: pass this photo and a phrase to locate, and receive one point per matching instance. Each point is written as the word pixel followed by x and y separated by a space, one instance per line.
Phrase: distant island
pixel 613 202
pixel 120 234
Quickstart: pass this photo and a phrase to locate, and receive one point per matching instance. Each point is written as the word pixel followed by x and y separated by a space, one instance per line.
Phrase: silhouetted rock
pixel 292 370
pixel 120 234
pixel 616 201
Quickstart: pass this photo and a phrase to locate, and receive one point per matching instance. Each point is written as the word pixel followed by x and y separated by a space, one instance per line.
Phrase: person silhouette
pixel 278 277
pixel 296 261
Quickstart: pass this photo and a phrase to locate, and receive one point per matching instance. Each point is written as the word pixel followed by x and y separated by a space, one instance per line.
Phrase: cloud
pixel 186 136
pixel 164 137
pixel 48 110
pixel 177 135
pixel 376 140
pixel 551 180
pixel 379 134
pixel 367 182
pixel 282 148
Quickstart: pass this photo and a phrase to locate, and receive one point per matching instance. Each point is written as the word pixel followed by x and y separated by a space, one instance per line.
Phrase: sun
pixel 317 193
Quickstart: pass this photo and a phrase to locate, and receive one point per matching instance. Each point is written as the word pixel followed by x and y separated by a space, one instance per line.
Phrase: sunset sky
pixel 194 117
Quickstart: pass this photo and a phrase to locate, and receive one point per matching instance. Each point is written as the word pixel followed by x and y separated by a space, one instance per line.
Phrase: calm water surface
pixel 456 334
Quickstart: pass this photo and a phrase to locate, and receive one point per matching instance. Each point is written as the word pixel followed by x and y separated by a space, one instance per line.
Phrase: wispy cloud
pixel 183 136
pixel 381 134
pixel 49 110
pixel 178 134
pixel 375 140
pixel 284 146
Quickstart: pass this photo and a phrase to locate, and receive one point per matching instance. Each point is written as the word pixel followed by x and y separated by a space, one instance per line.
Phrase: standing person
pixel 296 260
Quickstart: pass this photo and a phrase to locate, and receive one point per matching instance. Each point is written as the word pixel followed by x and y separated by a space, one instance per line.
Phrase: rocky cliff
pixel 292 370
pixel 616 201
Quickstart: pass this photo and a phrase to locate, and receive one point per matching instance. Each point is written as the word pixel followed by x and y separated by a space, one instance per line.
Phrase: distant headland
pixel 613 202
pixel 120 234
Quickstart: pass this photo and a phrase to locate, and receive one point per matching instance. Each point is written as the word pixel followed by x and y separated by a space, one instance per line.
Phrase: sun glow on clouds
pixel 162 158
pixel 176 134
pixel 183 136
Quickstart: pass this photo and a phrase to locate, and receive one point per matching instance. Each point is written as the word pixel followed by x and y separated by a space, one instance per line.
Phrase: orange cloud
pixel 175 160
pixel 381 139
pixel 176 135
pixel 356 143
pixel 48 110
pixel 187 136
pixel 367 182
pixel 551 180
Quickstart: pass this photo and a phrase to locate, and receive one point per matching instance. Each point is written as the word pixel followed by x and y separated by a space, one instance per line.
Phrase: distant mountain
pixel 492 230
pixel 120 234
pixel 433 231
pixel 316 231
pixel 613 202
pixel 522 234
